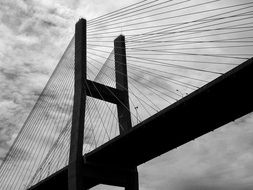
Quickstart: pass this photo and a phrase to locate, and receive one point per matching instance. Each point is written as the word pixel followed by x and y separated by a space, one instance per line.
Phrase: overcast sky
pixel 34 35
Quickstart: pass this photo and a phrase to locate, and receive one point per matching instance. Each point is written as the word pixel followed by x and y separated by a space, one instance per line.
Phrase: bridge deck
pixel 215 104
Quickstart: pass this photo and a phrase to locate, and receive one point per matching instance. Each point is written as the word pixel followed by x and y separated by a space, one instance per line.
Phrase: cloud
pixel 32 34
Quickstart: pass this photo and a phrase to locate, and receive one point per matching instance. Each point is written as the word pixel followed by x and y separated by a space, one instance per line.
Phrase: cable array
pixel 49 115
pixel 172 49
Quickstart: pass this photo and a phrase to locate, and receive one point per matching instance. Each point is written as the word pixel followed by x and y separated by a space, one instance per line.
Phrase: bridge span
pixel 203 111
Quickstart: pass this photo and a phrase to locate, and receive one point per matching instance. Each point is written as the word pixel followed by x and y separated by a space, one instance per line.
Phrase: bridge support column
pixel 124 115
pixel 123 108
pixel 75 172
pixel 108 174
pixel 133 181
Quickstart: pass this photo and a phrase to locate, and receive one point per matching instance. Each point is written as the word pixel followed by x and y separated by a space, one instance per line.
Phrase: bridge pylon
pixel 82 174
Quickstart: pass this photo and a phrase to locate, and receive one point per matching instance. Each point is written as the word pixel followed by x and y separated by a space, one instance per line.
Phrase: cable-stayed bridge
pixel 181 70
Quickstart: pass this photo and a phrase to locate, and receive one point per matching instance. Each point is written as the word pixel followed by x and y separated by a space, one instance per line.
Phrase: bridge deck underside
pixel 217 103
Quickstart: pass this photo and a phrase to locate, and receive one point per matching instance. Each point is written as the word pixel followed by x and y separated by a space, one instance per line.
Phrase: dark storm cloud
pixel 9 75
pixel 22 71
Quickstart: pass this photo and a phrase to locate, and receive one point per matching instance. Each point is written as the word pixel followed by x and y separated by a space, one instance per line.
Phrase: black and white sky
pixel 34 35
